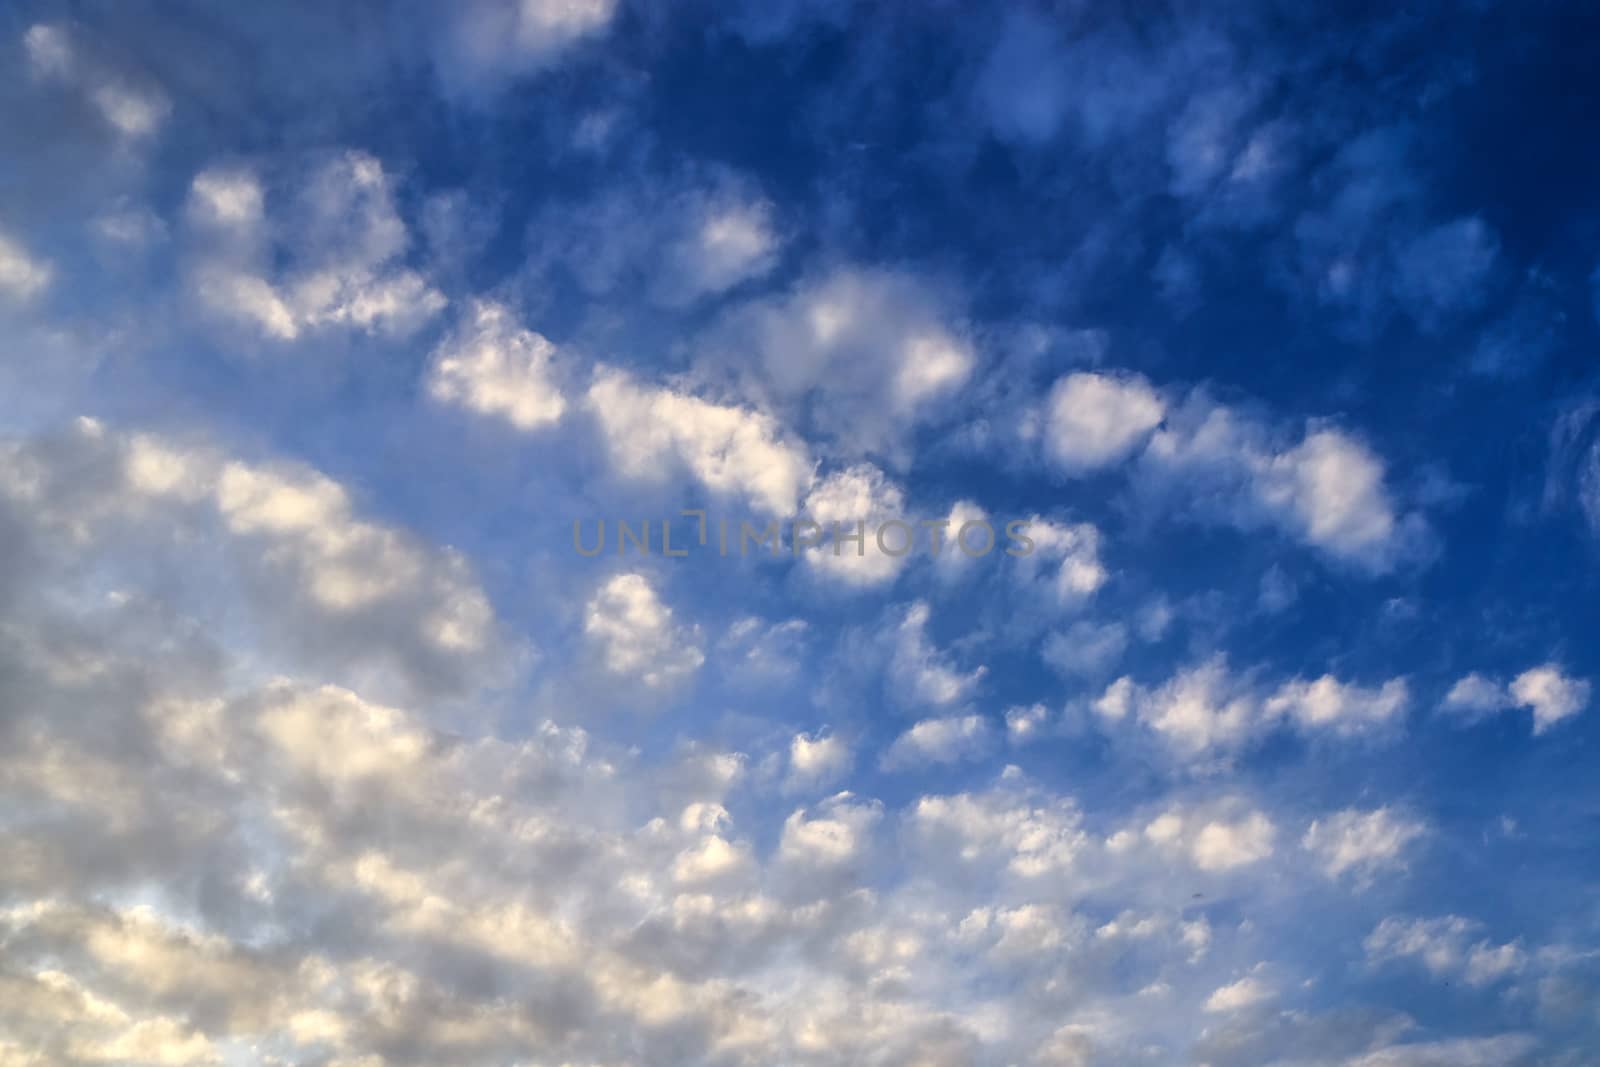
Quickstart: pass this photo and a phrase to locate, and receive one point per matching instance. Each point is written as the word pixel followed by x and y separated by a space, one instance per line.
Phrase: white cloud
pixel 485 43
pixel 228 200
pixel 866 352
pixel 1094 420
pixel 1340 707
pixel 496 367
pixel 134 108
pixel 1552 696
pixel 1331 487
pixel 1362 843
pixel 1198 711
pixel 1006 827
pixel 1445 947
pixel 953 739
pixel 817 760
pixel 731 240
pixel 22 276
pixel 1206 711
pixel 1079 574
pixel 1223 846
pixel 50 51
pixel 652 431
pixel 1247 992
pixel 923 674
pixel 838 832
pixel 855 500
pixel 637 634
pixel 1329 490
pixel 333 261
pixel 1545 690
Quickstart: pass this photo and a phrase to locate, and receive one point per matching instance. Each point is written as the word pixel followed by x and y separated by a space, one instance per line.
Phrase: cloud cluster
pixel 333 258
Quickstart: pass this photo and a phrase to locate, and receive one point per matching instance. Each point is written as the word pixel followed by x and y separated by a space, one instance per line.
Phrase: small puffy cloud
pixel 1071 549
pixel 866 353
pixel 1546 690
pixel 494 366
pixel 954 739
pixel 227 200
pixel 22 276
pixel 1223 845
pixel 1247 992
pixel 1362 843
pixel 1198 711
pixel 1475 695
pixel 652 431
pixel 1332 487
pixel 729 240
pixel 1025 722
pixel 1342 708
pixel 836 833
pixel 1005 826
pixel 1448 947
pixel 1550 694
pixel 50 51
pixel 485 43
pixel 921 673
pixel 1095 420
pixel 713 859
pixel 1217 841
pixel 817 760
pixel 637 634
pixel 330 260
pixel 854 500
pixel 673 239
pixel 1329 490
pixel 1207 711
pixel 131 106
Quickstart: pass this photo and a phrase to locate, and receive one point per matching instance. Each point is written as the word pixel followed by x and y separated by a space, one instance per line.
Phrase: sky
pixel 1260 337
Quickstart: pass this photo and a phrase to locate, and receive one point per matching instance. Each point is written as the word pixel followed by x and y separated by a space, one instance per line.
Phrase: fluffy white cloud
pixel 838 832
pixel 947 740
pixel 1329 489
pixel 1206 711
pixel 22 276
pixel 332 261
pixel 637 634
pixel 1362 843
pixel 652 431
pixel 856 500
pixel 1007 827
pixel 866 352
pixel 817 760
pixel 1546 690
pixel 1094 420
pixel 1072 550
pixel 1445 946
pixel 485 43
pixel 922 673
pixel 730 239
pixel 1247 992
pixel 1340 707
pixel 1550 694
pixel 1222 846
pixel 494 366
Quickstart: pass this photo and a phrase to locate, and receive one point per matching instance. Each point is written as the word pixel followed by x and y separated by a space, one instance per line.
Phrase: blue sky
pixel 321 326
